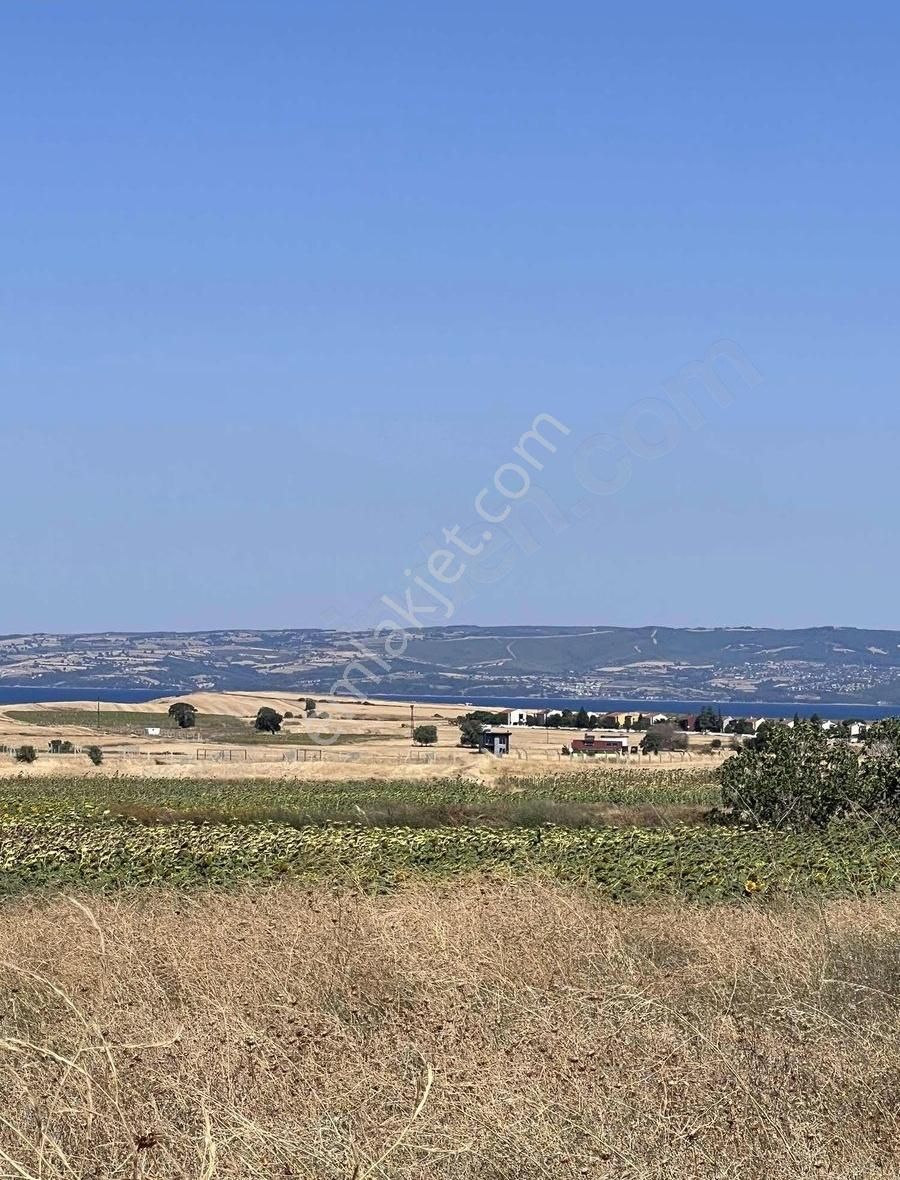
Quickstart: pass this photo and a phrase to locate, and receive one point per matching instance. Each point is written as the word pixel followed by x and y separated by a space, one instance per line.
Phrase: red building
pixel 593 743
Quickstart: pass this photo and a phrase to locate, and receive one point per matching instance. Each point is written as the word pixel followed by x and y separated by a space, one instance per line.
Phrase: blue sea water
pixel 34 695
pixel 26 695
pixel 743 708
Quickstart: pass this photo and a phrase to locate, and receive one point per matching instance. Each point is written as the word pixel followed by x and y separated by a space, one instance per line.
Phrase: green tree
pixel 791 777
pixel 739 725
pixel 880 766
pixel 582 720
pixel 311 705
pixel 663 736
pixel 425 735
pixel 26 754
pixel 95 754
pixel 470 731
pixel 183 714
pixel 268 720
pixel 708 721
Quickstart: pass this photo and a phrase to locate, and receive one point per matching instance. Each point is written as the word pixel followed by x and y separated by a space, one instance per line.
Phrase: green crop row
pixel 705 863
pixel 20 796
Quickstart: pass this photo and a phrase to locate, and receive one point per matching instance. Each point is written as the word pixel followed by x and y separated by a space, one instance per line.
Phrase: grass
pixel 210 727
pixel 507 1032
pixel 391 979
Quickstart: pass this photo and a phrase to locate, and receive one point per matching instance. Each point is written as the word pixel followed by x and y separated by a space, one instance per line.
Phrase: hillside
pixel 739 663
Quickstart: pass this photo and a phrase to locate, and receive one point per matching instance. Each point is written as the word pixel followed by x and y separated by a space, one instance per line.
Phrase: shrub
pixel 716 744
pixel 268 721
pixel 26 754
pixel 95 754
pixel 288 715
pixel 792 777
pixel 312 705
pixel 425 735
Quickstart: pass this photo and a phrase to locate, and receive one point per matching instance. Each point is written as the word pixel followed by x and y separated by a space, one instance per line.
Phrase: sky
pixel 284 284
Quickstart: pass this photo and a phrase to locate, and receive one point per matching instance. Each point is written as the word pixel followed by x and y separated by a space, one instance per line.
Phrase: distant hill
pixel 826 664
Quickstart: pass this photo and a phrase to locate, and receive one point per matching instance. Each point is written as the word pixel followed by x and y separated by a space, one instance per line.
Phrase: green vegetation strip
pixel 702 863
pixel 101 832
pixel 245 798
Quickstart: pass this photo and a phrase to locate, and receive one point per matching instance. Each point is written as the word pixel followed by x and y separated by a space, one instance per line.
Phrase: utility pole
pixel 98 713
pixel 412 724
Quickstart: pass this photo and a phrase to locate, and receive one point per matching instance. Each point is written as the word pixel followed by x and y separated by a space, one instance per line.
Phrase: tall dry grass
pixel 455 1032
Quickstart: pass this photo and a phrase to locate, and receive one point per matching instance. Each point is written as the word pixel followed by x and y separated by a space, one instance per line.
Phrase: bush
pixel 26 754
pixel 288 715
pixel 716 744
pixel 792 777
pixel 268 721
pixel 425 735
pixel 312 705
pixel 95 754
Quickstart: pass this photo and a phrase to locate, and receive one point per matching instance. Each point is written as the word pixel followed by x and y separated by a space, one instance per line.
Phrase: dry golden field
pixel 457 1032
pixel 376 742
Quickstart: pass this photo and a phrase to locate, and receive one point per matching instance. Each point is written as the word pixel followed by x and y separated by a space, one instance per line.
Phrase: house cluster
pixel 617 734
pixel 542 716
pixel 621 720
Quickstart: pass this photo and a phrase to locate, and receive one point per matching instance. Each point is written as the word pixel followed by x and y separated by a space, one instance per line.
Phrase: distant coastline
pixel 24 695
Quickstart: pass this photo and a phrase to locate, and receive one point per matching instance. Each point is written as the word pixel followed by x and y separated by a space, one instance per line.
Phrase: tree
pixel 311 705
pixel 425 735
pixel 708 721
pixel 95 754
pixel 470 731
pixel 26 754
pixel 663 737
pixel 739 725
pixel 582 720
pixel 610 721
pixel 268 720
pixel 880 766
pixel 184 715
pixel 791 777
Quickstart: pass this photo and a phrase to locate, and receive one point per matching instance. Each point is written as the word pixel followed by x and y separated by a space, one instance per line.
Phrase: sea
pixel 743 708
pixel 32 695
pixel 24 695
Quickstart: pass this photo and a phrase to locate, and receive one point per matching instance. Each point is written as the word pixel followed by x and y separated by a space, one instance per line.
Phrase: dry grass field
pixel 375 741
pixel 459 1032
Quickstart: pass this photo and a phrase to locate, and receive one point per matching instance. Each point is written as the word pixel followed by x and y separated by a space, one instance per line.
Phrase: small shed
pixel 495 741
pixel 153 731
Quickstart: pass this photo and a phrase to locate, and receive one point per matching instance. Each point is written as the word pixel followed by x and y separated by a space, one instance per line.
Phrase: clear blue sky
pixel 282 284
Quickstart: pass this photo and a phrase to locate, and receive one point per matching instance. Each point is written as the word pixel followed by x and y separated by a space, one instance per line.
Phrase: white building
pixel 519 716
